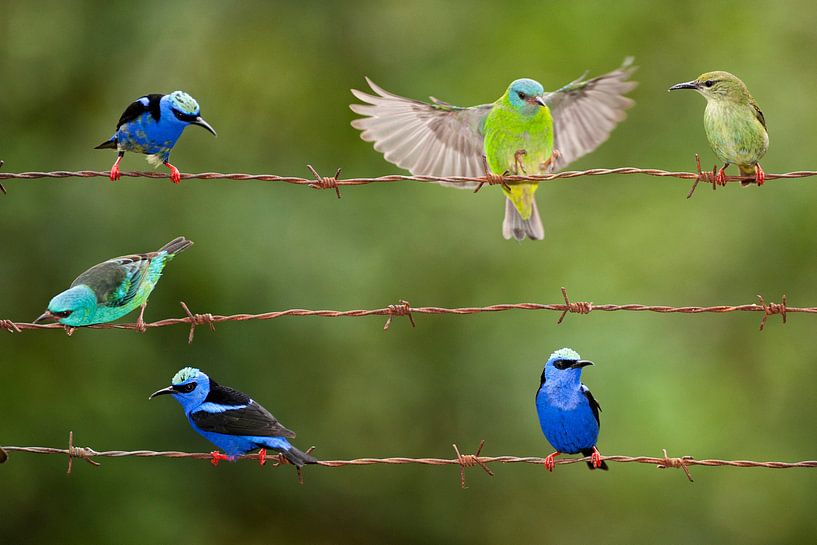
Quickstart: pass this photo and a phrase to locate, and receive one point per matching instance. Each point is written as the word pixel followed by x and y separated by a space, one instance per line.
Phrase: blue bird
pixel 230 419
pixel 568 413
pixel 152 125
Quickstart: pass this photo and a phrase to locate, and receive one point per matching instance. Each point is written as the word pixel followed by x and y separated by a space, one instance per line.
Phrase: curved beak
pixel 202 123
pixel 581 363
pixel 163 391
pixel 540 101
pixel 44 316
pixel 686 85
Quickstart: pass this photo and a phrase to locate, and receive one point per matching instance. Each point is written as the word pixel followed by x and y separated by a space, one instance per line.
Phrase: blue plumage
pixel 568 413
pixel 230 419
pixel 151 125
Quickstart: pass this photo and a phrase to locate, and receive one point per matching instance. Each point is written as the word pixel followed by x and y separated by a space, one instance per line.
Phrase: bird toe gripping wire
pixel 677 463
pixel 197 319
pixel 325 183
pixel 491 178
pixel 770 309
pixel 403 308
pixel 579 307
pixel 470 460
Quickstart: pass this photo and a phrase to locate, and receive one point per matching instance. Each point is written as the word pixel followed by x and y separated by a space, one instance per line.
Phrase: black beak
pixel 202 123
pixel 685 85
pixel 163 391
pixel 44 316
pixel 581 363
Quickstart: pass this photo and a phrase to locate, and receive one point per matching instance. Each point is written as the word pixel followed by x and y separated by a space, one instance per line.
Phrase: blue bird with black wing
pixel 151 125
pixel 568 412
pixel 230 419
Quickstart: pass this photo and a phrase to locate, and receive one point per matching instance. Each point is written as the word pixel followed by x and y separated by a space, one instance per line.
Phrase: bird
pixel 113 288
pixel 151 125
pixel 526 131
pixel 568 412
pixel 734 124
pixel 230 420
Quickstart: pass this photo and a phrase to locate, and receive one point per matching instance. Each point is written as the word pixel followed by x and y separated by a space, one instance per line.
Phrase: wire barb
pixel 9 326
pixel 470 460
pixel 772 308
pixel 86 453
pixel 197 319
pixel 325 183
pixel 2 189
pixel 490 178
pixel 678 463
pixel 579 307
pixel 403 308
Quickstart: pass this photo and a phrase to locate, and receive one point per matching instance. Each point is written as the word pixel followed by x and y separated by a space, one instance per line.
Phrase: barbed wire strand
pixel 403 308
pixel 462 460
pixel 333 182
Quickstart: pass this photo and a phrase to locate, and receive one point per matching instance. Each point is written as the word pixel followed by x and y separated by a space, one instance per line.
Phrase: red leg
pixel 175 176
pixel 550 460
pixel 115 168
pixel 760 176
pixel 217 457
pixel 720 179
pixel 262 456
pixel 595 458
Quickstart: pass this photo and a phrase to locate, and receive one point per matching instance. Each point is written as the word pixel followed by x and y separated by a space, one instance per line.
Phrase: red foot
pixel 175 175
pixel 217 457
pixel 760 176
pixel 595 458
pixel 115 170
pixel 720 179
pixel 550 460
pixel 262 456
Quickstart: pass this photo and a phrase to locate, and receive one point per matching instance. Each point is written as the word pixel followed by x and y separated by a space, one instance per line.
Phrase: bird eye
pixel 63 314
pixel 709 83
pixel 561 364
pixel 189 387
pixel 521 95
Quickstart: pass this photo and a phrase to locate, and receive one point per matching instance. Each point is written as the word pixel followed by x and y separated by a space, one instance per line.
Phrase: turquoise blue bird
pixel 230 420
pixel 112 289
pixel 151 125
pixel 568 412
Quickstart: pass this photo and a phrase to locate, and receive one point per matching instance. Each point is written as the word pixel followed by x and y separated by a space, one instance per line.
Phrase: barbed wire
pixel 403 308
pixel 462 460
pixel 335 183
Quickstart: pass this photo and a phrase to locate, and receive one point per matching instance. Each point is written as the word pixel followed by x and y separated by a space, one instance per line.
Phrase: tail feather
pixel 518 228
pixel 297 457
pixel 178 244
pixel 588 452
pixel 108 144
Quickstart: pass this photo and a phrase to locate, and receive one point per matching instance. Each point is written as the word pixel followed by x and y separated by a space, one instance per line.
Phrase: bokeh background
pixel 273 78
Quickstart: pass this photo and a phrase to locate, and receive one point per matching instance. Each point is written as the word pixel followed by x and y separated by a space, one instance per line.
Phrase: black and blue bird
pixel 151 125
pixel 568 412
pixel 231 420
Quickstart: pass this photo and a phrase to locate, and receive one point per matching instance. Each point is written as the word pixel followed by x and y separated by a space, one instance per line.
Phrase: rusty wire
pixel 334 183
pixel 462 460
pixel 403 308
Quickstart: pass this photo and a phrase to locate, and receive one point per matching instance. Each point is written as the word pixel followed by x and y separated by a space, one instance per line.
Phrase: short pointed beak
pixel 44 316
pixel 163 391
pixel 581 363
pixel 540 101
pixel 685 85
pixel 202 123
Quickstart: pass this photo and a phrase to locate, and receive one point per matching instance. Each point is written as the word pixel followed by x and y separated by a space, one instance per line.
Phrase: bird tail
pixel 108 144
pixel 588 452
pixel 176 245
pixel 747 170
pixel 296 457
pixel 518 228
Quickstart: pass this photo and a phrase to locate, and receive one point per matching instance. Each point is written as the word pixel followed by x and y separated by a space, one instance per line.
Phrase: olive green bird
pixel 734 124
pixel 525 132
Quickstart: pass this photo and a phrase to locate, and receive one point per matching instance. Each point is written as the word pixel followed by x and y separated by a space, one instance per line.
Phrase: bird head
pixel 526 95
pixel 185 110
pixel 189 386
pixel 73 307
pixel 717 86
pixel 564 367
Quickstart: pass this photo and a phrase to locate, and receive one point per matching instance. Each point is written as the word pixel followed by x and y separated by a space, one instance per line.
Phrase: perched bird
pixel 151 125
pixel 734 124
pixel 568 413
pixel 230 419
pixel 112 289
pixel 525 132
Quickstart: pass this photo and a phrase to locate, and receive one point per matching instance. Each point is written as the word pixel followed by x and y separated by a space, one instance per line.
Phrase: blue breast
pixel 146 135
pixel 568 430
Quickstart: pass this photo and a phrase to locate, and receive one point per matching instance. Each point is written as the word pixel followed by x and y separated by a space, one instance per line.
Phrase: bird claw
pixel 175 175
pixel 760 176
pixel 216 457
pixel 720 178
pixel 550 162
pixel 262 456
pixel 115 174
pixel 595 458
pixel 550 460
pixel 517 161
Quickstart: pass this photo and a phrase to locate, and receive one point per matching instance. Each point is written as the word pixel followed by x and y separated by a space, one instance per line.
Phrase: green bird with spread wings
pixel 525 132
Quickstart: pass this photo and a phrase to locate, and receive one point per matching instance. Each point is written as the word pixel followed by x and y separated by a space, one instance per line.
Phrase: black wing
pixel 253 419
pixel 594 405
pixel 138 107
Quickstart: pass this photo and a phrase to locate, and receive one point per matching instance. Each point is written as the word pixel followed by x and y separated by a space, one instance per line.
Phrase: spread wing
pixel 586 112
pixel 252 419
pixel 594 405
pixel 116 281
pixel 436 139
pixel 147 103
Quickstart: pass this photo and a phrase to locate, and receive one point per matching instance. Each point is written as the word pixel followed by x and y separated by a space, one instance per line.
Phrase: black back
pixel 136 108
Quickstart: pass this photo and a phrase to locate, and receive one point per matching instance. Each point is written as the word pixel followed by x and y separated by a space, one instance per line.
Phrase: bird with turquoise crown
pixel 230 419
pixel 113 288
pixel 526 131
pixel 151 125
pixel 734 124
pixel 568 412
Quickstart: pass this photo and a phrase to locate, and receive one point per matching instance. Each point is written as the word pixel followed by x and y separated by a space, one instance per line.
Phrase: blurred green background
pixel 273 78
